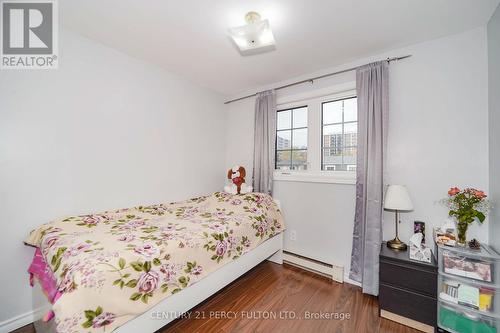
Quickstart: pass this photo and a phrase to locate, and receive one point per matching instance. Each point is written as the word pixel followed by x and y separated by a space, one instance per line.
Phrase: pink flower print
pixel 220 214
pixel 50 241
pixel 148 281
pixel 169 272
pixel 167 236
pixel 263 226
pixel 147 250
pixel 236 202
pixel 246 243
pixel 67 284
pixel 91 219
pixel 231 242
pixel 217 227
pixel 197 270
pixel 259 199
pixel 103 319
pixel 135 223
pixel 256 211
pixel 221 248
pixel 75 250
pixel 126 238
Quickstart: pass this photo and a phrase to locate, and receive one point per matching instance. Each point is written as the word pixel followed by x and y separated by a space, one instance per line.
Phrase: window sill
pixel 347 178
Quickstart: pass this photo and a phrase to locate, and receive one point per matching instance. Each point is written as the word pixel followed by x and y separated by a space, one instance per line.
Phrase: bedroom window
pixel 339 135
pixel 316 136
pixel 291 139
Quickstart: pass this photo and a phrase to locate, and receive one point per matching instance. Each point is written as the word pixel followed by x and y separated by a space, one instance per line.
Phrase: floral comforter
pixel 111 267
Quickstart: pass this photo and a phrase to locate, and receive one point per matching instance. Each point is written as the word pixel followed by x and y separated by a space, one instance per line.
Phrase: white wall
pixel 103 131
pixel 438 137
pixel 494 122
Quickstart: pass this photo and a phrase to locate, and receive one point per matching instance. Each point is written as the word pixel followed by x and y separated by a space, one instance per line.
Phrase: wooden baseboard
pixel 406 321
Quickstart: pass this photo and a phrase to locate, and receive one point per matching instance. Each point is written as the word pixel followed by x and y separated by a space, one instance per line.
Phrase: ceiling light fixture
pixel 255 37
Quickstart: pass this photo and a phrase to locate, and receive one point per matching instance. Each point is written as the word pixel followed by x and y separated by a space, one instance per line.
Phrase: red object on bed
pixel 40 271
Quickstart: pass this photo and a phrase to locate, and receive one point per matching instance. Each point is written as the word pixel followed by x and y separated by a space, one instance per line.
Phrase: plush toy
pixel 237 177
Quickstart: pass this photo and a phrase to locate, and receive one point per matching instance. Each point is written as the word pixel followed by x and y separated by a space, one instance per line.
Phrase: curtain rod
pixel 316 78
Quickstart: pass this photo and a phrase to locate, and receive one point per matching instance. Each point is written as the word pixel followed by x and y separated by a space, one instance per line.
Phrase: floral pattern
pixel 138 256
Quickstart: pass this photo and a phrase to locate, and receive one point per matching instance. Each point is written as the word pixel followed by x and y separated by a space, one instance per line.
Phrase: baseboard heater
pixel 333 272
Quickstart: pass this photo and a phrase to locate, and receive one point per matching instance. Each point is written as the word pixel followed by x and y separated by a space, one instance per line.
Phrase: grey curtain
pixel 264 141
pixel 372 86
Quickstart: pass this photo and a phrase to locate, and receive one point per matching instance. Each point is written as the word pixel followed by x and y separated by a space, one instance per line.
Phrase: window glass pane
pixel 332 137
pixel 284 140
pixel 300 117
pixel 299 138
pixel 351 109
pixel 332 158
pixel 350 155
pixel 332 130
pixel 332 112
pixel 350 134
pixel 284 119
pixel 283 159
pixel 299 160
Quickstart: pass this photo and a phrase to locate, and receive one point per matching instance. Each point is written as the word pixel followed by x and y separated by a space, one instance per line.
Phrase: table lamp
pixel 397 200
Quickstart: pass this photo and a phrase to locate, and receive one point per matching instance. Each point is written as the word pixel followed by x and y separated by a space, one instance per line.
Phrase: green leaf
pixel 87 324
pixel 135 296
pixel 144 298
pixel 131 283
pixel 156 262
pixel 58 263
pixel 122 283
pixel 121 263
pixel 147 266
pixel 90 315
pixel 116 282
pixel 98 311
pixel 176 290
pixel 480 216
pixel 136 266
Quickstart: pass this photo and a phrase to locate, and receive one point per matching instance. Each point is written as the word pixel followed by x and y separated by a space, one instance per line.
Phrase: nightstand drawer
pixel 416 279
pixel 408 304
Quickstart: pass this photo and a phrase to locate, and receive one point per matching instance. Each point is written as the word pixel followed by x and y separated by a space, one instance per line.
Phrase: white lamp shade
pixel 397 198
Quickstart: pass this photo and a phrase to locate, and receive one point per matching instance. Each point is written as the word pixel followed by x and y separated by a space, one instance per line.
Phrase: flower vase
pixel 462 233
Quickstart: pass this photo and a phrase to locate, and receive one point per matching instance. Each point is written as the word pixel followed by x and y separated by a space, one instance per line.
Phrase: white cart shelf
pixel 468 290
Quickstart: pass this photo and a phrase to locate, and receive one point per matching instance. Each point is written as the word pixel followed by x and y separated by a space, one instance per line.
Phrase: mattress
pixel 112 266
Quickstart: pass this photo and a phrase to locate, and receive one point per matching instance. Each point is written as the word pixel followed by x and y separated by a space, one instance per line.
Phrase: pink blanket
pixel 40 271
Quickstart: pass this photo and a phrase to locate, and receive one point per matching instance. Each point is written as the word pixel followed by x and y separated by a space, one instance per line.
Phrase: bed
pixel 139 268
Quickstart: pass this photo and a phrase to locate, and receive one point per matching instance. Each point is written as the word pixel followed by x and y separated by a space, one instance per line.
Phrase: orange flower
pixel 453 191
pixel 479 194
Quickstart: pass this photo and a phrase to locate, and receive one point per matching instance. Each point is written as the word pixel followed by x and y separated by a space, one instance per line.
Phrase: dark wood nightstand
pixel 408 289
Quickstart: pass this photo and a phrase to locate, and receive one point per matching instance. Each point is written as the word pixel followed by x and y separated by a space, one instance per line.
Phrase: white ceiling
pixel 189 37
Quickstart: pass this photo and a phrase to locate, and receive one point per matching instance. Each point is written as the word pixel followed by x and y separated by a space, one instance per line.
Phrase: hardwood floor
pixel 277 294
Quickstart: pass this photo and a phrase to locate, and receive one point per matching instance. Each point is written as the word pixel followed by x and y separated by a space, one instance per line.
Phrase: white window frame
pixel 313 100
